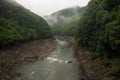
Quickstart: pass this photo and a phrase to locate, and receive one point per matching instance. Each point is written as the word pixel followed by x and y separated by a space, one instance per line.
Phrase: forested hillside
pixel 99 27
pixel 18 23
pixel 99 32
pixel 65 22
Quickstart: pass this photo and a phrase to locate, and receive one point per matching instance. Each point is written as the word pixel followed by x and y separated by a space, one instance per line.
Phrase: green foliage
pixel 117 71
pixel 110 4
pixel 18 23
pixel 99 28
pixel 67 21
pixel 69 12
pixel 65 28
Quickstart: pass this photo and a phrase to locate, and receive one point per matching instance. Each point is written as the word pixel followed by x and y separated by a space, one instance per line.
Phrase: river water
pixel 59 65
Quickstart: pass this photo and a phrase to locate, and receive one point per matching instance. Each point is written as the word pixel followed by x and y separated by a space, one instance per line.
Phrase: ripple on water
pixel 55 67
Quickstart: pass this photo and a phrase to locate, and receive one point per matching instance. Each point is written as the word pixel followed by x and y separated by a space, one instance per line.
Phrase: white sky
pixel 46 7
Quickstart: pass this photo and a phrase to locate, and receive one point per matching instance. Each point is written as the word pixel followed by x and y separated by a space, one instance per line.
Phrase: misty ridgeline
pixel 95 28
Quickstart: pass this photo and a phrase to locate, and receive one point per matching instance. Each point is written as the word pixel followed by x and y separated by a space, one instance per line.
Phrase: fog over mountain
pixel 47 7
pixel 65 21
pixel 65 15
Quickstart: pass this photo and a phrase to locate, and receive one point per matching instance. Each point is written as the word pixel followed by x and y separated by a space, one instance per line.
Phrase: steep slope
pixel 18 23
pixel 65 22
pixel 99 28
pixel 69 12
pixel 99 31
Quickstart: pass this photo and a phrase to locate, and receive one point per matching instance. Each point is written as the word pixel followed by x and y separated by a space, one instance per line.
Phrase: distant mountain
pixel 69 12
pixel 65 15
pixel 65 22
pixel 18 23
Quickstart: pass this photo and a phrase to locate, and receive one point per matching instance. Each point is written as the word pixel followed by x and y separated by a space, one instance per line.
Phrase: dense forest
pixel 18 24
pixel 65 22
pixel 99 30
pixel 96 29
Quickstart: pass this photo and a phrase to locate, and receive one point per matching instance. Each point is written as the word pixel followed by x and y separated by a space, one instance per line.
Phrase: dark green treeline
pixel 18 23
pixel 99 28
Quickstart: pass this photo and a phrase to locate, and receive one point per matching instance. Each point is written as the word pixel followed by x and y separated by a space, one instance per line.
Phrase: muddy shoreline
pixel 94 69
pixel 37 50
pixel 23 53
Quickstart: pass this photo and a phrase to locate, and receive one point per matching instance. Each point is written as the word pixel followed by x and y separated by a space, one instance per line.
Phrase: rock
pixel 31 57
pixel 109 73
pixel 69 62
pixel 110 78
pixel 23 53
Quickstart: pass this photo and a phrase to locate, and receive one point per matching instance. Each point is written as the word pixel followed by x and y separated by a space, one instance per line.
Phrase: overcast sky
pixel 46 7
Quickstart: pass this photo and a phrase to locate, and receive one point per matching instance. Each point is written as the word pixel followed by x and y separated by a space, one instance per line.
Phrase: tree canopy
pixel 18 23
pixel 65 22
pixel 99 28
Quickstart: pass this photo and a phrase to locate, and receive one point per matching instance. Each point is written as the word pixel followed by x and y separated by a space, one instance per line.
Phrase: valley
pixel 74 43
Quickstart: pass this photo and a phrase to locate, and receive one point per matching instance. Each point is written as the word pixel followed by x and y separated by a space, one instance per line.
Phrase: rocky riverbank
pixel 23 53
pixel 94 69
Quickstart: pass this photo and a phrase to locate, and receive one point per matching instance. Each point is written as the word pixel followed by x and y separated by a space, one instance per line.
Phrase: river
pixel 61 64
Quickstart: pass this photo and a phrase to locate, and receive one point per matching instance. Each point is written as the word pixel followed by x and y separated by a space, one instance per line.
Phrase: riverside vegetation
pixel 19 24
pixel 96 28
pixel 99 32
pixel 22 37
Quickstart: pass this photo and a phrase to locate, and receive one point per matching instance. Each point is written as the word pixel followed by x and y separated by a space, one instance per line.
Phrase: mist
pixel 47 7
pixel 58 17
pixel 13 2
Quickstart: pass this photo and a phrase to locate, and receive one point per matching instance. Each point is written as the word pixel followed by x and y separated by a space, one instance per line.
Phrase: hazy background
pixel 46 7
